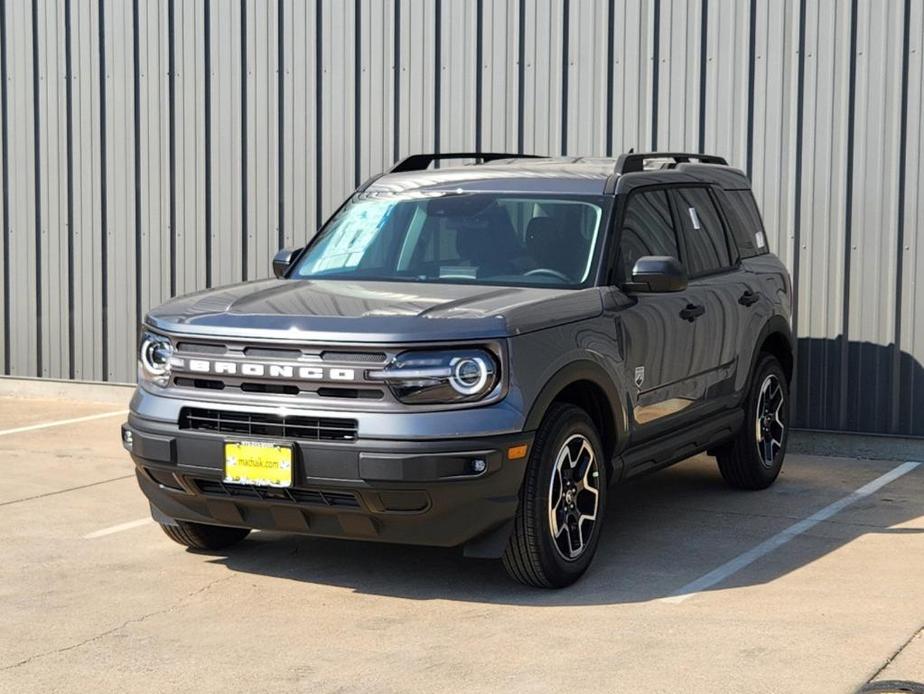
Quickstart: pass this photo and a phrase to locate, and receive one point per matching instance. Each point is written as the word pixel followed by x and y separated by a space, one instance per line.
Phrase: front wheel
pixel 201 536
pixel 753 459
pixel 562 502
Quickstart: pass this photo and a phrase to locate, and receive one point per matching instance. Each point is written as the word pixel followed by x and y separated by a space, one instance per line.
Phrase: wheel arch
pixel 777 339
pixel 586 384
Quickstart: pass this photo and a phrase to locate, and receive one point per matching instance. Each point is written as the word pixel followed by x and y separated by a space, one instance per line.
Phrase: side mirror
pixel 282 260
pixel 657 273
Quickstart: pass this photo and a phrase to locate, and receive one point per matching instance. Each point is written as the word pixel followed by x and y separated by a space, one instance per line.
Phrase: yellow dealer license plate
pixel 259 463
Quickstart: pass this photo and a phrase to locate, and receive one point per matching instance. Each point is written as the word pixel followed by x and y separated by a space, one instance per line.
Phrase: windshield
pixel 477 238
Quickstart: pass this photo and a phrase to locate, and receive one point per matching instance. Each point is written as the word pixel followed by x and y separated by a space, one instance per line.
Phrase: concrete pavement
pixel 93 597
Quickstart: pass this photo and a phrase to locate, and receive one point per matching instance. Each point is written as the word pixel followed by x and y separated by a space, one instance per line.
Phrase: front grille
pixel 298 496
pixel 272 425
pixel 355 357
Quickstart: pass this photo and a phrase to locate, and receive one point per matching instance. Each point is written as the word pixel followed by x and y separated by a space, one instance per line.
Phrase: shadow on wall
pixel 859 387
pixel 662 531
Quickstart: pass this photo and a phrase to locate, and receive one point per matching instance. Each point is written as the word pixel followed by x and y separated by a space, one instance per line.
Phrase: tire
pixel 533 556
pixel 754 458
pixel 204 537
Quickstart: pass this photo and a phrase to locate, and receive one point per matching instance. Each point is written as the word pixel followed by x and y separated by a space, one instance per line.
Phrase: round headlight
pixel 155 354
pixel 469 374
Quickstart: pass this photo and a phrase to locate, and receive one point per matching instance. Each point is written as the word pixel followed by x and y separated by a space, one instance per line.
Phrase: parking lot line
pixel 742 560
pixel 61 422
pixel 118 528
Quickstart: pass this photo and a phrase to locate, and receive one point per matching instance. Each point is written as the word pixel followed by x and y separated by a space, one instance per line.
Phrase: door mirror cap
pixel 282 260
pixel 657 273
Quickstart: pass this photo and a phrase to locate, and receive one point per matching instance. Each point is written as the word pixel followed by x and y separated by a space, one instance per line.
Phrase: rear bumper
pixel 412 492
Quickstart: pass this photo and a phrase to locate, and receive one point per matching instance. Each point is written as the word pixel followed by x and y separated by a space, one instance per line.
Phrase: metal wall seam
pixel 456 67
pixel 22 199
pixel 52 259
pixel 225 125
pixel 338 95
pixel 119 174
pixel 587 83
pixel 542 77
pixel 300 153
pixel 678 90
pixel 5 278
pixel 500 66
pixel 873 207
pixel 909 394
pixel 633 75
pixel 827 75
pixel 262 149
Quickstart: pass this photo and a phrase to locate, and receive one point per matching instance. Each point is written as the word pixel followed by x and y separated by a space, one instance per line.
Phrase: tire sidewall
pixel 574 421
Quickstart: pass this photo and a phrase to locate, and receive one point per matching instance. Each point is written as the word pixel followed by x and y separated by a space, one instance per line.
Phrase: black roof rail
pixel 635 161
pixel 419 162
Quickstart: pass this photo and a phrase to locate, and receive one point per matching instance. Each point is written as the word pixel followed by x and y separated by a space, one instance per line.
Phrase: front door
pixel 657 341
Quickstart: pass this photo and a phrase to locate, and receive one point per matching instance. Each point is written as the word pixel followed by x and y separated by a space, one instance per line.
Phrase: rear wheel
pixel 562 502
pixel 201 536
pixel 753 459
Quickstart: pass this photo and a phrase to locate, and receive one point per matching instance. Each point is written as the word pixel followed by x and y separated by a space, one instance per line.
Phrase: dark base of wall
pixel 857 445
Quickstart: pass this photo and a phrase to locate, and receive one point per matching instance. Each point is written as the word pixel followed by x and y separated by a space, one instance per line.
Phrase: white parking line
pixel 61 422
pixel 742 560
pixel 118 528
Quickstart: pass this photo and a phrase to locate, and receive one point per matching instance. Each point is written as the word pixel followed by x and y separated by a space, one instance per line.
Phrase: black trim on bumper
pixel 414 492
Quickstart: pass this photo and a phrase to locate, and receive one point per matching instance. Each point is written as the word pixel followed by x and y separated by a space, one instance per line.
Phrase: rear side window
pixel 746 225
pixel 647 229
pixel 703 233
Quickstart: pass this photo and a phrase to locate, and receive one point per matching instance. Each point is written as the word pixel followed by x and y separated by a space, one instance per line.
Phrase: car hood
pixel 344 311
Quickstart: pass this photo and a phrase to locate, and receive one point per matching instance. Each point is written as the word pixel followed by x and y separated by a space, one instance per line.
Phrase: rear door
pixel 716 281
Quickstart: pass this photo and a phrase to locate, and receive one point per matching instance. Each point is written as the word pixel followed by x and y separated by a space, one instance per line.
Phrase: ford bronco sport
pixel 472 355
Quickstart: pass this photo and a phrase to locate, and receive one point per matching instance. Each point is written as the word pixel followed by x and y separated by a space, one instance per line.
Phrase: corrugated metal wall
pixel 151 148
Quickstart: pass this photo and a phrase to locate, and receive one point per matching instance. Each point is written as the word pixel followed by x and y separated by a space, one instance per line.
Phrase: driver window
pixel 647 229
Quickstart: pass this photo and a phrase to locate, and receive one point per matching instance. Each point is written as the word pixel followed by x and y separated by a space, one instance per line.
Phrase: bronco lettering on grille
pixel 262 370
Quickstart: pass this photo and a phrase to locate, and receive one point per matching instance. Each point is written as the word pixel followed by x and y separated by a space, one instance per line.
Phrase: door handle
pixel 692 312
pixel 749 298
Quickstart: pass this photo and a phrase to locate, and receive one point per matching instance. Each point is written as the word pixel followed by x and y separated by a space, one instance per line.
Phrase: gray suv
pixel 472 355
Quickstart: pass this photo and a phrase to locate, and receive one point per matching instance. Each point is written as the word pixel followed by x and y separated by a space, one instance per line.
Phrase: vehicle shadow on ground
pixel 662 532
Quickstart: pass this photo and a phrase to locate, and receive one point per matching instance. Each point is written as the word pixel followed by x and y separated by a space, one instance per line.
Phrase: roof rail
pixel 629 163
pixel 419 162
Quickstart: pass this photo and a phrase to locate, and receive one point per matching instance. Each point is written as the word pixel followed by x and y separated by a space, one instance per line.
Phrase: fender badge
pixel 639 376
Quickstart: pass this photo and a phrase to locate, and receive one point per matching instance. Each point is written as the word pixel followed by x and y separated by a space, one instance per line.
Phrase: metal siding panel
pixel 821 278
pixel 910 392
pixel 587 68
pixel 53 193
pixel 23 360
pixel 120 190
pixel 632 74
pixel 457 82
pixel 226 142
pixel 727 80
pixel 678 76
pixel 871 292
pixel 338 70
pixel 499 77
pixel 377 80
pixel 775 116
pixel 86 192
pixel 542 77
pixel 262 144
pixel 189 32
pixel 154 152
pixel 417 70
pixel 301 146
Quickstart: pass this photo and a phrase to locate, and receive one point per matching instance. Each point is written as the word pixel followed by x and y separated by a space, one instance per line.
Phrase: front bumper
pixel 413 492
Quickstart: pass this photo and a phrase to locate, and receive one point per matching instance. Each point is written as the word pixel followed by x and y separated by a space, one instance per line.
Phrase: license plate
pixel 258 463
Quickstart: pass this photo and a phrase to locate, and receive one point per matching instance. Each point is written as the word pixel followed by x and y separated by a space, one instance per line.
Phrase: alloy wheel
pixel 574 497
pixel 769 425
